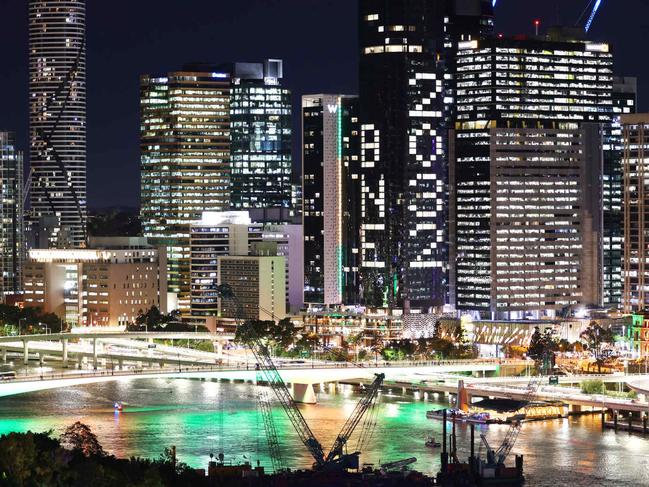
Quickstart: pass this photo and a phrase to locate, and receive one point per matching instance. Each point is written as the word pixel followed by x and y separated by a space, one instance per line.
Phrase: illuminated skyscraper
pixel 636 205
pixel 12 250
pixel 526 171
pixel 624 103
pixel 57 113
pixel 185 161
pixel 260 117
pixel 406 96
pixel 330 165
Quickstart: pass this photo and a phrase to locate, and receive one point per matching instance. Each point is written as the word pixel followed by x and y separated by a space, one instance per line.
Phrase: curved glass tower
pixel 57 114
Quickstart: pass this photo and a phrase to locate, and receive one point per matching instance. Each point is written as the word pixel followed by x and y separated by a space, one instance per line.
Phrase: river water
pixel 201 417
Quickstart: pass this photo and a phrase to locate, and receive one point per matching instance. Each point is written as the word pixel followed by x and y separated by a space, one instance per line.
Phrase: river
pixel 203 417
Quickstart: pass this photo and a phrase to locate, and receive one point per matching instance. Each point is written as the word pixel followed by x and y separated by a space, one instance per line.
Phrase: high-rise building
pixel 330 166
pixel 624 103
pixel 12 251
pixel 57 113
pixel 185 161
pixel 260 117
pixel 404 108
pixel 636 205
pixel 526 169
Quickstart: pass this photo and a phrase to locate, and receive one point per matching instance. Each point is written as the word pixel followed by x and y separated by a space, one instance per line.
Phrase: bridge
pixel 305 374
pixel 64 346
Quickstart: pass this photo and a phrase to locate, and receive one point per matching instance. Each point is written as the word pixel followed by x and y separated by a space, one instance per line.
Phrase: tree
pixel 599 342
pixel 79 437
pixel 542 347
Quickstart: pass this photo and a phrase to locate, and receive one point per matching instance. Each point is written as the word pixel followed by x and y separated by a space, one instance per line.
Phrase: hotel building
pixel 331 186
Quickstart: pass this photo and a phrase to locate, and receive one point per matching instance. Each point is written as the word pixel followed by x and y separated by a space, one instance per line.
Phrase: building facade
pixel 636 203
pixel 624 103
pixel 330 167
pixel 526 170
pixel 109 284
pixel 404 109
pixel 260 117
pixel 12 248
pixel 185 161
pixel 258 282
pixel 233 233
pixel 57 113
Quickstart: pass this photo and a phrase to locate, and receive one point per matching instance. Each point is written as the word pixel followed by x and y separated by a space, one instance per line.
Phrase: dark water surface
pixel 202 417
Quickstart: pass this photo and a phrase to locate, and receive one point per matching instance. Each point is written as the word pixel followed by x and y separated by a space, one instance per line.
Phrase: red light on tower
pixel 537 23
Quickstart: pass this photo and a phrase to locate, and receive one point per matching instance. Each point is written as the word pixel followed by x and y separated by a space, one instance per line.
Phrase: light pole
pixel 19 327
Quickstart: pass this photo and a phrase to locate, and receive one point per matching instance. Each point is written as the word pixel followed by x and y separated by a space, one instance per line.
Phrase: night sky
pixel 315 38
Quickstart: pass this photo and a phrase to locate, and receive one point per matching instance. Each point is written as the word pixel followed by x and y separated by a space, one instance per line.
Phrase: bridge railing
pixel 239 366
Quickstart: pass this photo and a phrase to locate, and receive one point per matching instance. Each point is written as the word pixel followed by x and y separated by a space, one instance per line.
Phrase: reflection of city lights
pixel 391 410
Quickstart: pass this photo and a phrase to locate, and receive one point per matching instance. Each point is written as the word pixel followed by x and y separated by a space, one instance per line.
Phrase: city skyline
pixel 116 60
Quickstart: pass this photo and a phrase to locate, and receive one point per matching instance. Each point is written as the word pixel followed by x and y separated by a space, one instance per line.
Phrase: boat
pixel 431 443
pixel 462 416
pixel 118 407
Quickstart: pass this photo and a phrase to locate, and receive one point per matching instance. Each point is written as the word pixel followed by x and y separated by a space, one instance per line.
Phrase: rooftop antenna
pixel 537 23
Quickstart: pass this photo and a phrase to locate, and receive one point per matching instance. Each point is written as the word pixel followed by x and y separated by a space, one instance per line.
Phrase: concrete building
pixel 108 284
pixel 12 245
pixel 525 174
pixel 636 204
pixel 259 283
pixel 331 185
pixel 233 233
pixel 57 113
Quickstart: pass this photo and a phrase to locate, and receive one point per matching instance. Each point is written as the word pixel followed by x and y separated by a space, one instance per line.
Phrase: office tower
pixel 635 130
pixel 12 250
pixel 185 161
pixel 107 284
pixel 57 113
pixel 526 166
pixel 330 166
pixel 624 102
pixel 260 117
pixel 403 112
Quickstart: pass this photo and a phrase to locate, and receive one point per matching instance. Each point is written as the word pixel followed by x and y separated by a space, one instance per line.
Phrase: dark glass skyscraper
pixel 624 103
pixel 260 118
pixel 12 251
pixel 405 106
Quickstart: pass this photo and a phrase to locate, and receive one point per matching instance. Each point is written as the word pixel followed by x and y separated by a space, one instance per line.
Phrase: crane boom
pixel 362 406
pixel 271 430
pixel 335 459
pixel 278 386
pixel 589 22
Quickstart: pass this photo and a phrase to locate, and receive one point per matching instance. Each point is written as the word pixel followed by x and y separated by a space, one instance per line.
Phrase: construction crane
pixel 595 4
pixel 498 457
pixel 336 459
pixel 270 428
